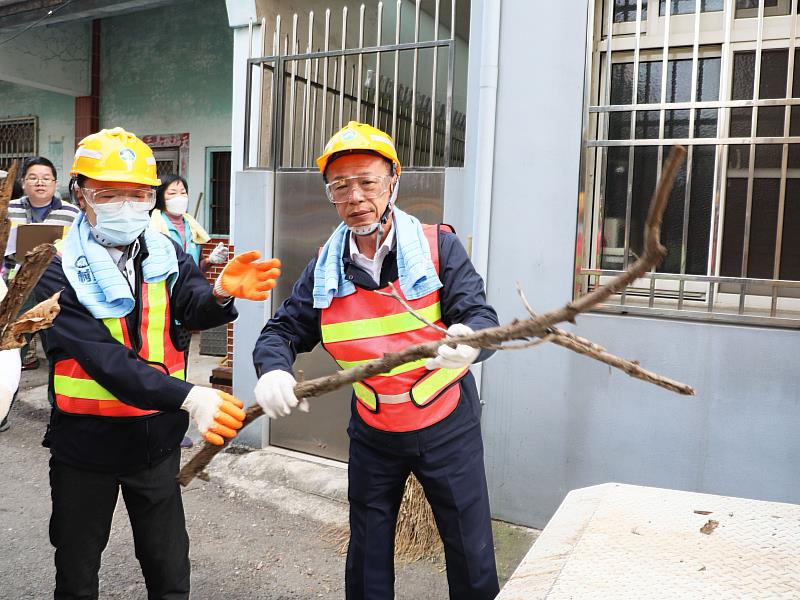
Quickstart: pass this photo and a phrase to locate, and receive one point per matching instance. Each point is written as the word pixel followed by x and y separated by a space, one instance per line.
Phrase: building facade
pixel 161 69
pixel 569 112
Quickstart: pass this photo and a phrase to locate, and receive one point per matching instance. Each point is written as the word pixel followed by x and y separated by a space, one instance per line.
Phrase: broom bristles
pixel 416 537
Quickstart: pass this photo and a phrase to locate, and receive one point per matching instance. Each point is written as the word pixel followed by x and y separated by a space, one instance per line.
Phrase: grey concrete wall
pixel 168 70
pixel 555 421
pixel 254 207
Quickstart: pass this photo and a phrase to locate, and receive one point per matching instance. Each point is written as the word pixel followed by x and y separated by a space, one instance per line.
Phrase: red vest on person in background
pixel 365 325
pixel 76 392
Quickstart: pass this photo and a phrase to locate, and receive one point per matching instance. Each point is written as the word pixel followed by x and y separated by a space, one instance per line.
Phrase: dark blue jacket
pixel 296 328
pixel 123 445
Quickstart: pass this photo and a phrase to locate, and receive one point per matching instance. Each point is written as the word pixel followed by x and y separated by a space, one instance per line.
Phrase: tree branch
pixel 540 326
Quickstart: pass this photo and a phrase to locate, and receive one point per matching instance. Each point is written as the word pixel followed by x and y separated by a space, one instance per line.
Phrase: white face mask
pixel 177 205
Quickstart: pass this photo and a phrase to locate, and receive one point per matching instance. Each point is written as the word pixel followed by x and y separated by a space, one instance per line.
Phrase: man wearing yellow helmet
pixel 423 417
pixel 117 369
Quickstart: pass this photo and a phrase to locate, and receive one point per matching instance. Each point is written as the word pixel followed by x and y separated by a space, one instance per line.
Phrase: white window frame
pixel 695 36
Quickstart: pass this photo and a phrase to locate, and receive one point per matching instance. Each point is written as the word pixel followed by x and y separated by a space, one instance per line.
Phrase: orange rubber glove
pixel 217 415
pixel 243 277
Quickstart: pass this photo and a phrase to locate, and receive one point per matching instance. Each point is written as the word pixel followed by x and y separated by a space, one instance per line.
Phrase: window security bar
pixel 709 81
pixel 297 98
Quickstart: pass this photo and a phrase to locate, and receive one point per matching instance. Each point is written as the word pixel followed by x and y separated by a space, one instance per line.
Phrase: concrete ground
pixel 263 526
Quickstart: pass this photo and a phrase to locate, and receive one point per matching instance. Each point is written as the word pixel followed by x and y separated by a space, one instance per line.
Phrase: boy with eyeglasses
pixel 39 204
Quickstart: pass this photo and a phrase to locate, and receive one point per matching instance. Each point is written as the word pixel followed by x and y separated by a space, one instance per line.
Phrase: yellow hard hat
pixel 115 155
pixel 359 137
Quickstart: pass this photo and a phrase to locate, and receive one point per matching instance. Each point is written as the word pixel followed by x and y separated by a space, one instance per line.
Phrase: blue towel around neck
pixel 415 268
pixel 99 284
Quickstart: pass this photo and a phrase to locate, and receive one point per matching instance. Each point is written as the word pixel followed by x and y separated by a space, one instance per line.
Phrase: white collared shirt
pixel 372 265
pixel 127 269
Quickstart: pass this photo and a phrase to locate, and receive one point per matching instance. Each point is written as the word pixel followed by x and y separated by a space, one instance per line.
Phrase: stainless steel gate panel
pixel 304 220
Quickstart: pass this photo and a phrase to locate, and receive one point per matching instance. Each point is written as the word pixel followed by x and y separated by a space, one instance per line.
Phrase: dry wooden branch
pixel 21 286
pixel 37 318
pixel 536 327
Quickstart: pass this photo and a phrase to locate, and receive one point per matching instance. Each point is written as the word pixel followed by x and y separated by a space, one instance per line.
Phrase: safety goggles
pixel 139 198
pixel 369 186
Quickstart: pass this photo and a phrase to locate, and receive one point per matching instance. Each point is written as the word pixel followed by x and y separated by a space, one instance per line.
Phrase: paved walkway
pixel 258 527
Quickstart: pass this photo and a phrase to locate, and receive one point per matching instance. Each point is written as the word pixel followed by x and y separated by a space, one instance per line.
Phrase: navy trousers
pixel 83 505
pixel 454 480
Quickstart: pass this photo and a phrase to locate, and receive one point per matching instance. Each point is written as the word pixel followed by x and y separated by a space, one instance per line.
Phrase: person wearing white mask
pixel 170 217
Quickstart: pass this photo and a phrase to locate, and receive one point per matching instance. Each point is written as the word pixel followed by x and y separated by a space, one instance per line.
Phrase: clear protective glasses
pixel 370 187
pixel 139 198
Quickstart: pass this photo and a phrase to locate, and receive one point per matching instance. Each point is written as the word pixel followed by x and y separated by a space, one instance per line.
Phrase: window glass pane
pixel 793 161
pixel 741 122
pixel 619 125
pixel 682 7
pixel 705 123
pixel 794 122
pixel 774 67
pixel 676 124
pixel 763 228
pixel 649 91
pixel 708 79
pixel 672 224
pixel 790 244
pixel 701 200
pixel 749 8
pixel 796 78
pixel 613 239
pixel 621 83
pixel 738 160
pixel 744 68
pixel 770 121
pixel 768 156
pixel 645 160
pixel 647 123
pixel 733 229
pixel 625 10
pixel 679 80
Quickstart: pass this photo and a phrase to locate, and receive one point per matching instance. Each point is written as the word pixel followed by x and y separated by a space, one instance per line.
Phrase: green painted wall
pixel 56 114
pixel 169 70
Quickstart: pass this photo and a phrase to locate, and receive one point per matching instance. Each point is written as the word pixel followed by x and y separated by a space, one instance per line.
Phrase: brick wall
pixel 212 275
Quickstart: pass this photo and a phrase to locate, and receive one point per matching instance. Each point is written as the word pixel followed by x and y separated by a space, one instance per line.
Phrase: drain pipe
pixel 484 156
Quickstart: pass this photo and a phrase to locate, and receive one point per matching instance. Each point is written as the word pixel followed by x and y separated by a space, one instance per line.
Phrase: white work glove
pixel 219 255
pixel 217 415
pixel 275 393
pixel 10 367
pixel 454 358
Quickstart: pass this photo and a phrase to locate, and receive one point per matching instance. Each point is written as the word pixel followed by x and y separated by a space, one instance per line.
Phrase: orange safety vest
pixel 364 325
pixel 76 392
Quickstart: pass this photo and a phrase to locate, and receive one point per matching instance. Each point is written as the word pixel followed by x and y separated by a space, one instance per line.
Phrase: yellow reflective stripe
pixel 157 298
pixel 425 389
pixel 379 326
pixel 81 388
pixel 89 388
pixel 346 364
pixel 364 394
pixel 115 327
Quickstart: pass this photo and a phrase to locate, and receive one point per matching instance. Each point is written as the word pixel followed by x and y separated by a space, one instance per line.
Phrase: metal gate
pixel 297 97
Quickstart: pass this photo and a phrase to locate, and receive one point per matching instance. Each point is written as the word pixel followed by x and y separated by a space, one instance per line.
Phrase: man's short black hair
pixel 37 160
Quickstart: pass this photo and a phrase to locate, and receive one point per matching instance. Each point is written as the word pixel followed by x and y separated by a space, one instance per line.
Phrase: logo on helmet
pixel 127 155
pixel 348 135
